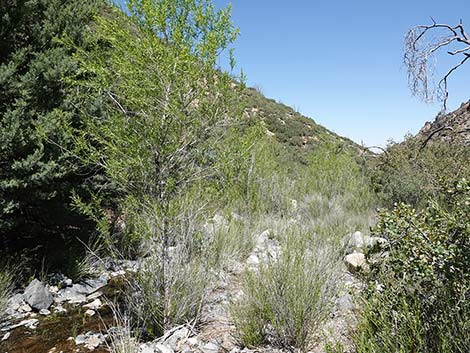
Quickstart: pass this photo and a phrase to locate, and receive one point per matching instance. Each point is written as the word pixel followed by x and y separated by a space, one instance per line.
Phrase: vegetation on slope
pixel 135 104
pixel 298 133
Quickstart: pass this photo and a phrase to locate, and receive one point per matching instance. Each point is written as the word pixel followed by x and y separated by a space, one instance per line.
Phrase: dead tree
pixel 422 43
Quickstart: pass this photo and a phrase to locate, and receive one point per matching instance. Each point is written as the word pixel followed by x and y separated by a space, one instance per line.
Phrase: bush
pixel 410 174
pixel 285 300
pixel 161 297
pixel 38 171
pixel 418 298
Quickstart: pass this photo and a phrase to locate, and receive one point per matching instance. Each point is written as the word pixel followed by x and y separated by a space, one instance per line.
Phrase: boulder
pixel 94 305
pixel 37 295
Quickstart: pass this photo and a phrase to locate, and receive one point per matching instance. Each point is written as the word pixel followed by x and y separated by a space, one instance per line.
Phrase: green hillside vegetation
pixel 289 127
pixel 120 137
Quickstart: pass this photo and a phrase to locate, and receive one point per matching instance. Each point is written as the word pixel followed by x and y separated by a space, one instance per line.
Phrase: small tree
pixel 165 107
pixel 422 43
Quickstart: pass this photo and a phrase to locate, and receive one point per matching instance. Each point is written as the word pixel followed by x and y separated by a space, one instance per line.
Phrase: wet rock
pixel 37 295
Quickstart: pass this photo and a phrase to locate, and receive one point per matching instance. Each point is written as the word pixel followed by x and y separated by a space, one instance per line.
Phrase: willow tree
pixel 166 105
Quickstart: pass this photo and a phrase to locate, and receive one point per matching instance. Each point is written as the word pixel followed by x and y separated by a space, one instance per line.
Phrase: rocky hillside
pixel 288 126
pixel 451 127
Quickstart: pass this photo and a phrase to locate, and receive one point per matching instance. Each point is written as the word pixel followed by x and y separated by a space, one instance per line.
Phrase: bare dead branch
pixel 421 47
pixel 423 145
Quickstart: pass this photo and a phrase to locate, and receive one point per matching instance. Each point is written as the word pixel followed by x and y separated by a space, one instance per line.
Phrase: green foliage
pixel 159 120
pixel 421 302
pixel 407 173
pixel 165 110
pixel 37 170
pixel 35 106
pixel 297 133
pixel 334 171
pixel 285 300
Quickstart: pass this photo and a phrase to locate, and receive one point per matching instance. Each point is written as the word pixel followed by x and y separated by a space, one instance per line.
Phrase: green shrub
pixel 408 173
pixel 418 300
pixel 38 171
pixel 286 299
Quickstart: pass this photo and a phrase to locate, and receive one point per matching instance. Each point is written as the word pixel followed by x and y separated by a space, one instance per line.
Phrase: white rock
pixel 177 338
pixel 355 261
pixel 94 305
pixel 25 308
pixel 356 240
pixel 210 348
pixel 94 341
pixel 6 336
pixel 90 312
pixel 192 341
pixel 59 309
pixel 94 296
pixel 44 312
pixel 15 302
pixel 146 348
pixel 253 260
pixel 90 340
pixel 31 323
pixel 160 348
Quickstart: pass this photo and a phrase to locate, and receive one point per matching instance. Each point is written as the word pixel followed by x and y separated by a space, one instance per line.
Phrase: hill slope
pixel 451 127
pixel 289 127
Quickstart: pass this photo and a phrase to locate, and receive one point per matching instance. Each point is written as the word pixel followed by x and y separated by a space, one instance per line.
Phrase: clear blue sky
pixel 340 61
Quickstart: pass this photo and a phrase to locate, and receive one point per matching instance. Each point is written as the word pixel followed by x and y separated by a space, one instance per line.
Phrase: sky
pixel 340 62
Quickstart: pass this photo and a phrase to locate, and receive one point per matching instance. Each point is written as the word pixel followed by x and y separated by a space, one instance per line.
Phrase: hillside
pixel 451 127
pixel 288 126
pixel 151 204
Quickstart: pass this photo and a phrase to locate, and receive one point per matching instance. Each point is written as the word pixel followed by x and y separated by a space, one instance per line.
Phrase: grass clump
pixel 7 278
pixel 287 298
